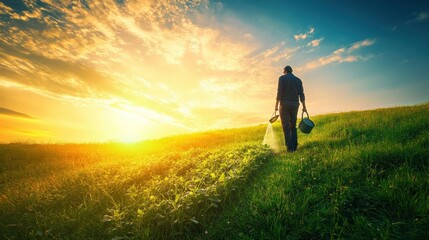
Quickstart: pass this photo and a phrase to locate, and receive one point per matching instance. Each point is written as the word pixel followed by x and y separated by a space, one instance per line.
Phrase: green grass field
pixel 358 175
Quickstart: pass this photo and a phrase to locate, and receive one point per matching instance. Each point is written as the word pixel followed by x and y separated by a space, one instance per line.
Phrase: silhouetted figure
pixel 288 91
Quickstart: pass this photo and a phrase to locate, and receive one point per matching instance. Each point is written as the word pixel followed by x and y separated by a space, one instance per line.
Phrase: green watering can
pixel 306 125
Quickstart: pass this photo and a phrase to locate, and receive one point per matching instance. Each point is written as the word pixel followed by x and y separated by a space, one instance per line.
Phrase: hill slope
pixel 167 188
pixel 358 175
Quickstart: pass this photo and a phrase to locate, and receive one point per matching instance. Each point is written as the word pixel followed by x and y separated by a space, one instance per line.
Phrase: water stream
pixel 270 138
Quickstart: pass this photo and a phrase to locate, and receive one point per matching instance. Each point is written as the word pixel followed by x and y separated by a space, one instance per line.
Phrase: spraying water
pixel 270 138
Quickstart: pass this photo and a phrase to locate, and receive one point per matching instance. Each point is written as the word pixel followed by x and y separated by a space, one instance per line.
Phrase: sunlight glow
pixel 128 126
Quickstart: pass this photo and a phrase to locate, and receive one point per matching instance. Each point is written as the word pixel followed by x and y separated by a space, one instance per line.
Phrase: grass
pixel 358 175
pixel 159 189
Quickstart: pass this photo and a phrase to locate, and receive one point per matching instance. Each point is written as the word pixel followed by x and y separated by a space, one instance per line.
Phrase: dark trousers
pixel 288 115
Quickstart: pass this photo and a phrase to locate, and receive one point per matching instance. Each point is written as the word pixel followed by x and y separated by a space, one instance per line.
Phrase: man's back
pixel 290 90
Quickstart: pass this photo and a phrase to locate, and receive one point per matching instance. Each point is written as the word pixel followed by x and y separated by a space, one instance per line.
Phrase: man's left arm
pixel 302 96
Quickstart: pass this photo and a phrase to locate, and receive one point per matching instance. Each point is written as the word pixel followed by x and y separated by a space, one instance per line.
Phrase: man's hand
pixel 277 105
pixel 304 108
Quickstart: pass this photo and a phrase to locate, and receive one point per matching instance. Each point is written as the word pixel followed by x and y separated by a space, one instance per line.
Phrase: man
pixel 288 91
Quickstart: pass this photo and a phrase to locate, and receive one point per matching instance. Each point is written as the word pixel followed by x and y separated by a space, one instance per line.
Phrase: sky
pixel 128 70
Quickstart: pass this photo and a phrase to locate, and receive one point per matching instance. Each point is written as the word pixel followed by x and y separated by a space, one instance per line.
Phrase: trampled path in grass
pixel 359 175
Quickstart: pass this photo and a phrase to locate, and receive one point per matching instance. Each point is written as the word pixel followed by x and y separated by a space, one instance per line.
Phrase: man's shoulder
pixel 289 76
pixel 294 76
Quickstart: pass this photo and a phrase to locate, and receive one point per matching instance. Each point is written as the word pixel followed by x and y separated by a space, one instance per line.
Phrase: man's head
pixel 287 69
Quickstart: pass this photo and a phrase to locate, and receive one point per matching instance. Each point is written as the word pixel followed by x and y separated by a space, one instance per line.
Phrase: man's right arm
pixel 279 93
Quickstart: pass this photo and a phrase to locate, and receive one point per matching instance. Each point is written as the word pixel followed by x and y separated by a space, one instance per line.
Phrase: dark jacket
pixel 290 90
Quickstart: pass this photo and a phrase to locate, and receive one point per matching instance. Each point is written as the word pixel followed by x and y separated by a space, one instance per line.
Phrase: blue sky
pixel 128 70
pixel 400 29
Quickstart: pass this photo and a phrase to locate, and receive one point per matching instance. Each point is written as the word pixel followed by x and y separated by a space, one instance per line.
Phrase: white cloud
pixel 150 54
pixel 357 45
pixel 340 55
pixel 248 35
pixel 149 57
pixel 302 36
pixel 339 51
pixel 315 42
pixel 285 54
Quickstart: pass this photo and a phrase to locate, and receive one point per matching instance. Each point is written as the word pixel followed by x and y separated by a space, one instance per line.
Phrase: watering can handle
pixel 274 113
pixel 302 115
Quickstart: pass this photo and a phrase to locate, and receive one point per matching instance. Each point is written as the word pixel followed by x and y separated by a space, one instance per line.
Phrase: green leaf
pixel 222 178
pixel 139 212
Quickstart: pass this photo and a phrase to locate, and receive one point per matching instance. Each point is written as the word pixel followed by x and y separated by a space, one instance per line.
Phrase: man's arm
pixel 302 96
pixel 279 93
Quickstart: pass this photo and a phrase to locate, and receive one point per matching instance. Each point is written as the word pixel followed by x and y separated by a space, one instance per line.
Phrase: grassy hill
pixel 358 175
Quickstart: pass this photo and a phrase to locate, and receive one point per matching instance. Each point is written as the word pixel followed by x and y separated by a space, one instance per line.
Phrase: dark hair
pixel 288 69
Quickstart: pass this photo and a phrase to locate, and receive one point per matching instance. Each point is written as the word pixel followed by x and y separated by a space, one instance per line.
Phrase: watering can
pixel 274 117
pixel 306 125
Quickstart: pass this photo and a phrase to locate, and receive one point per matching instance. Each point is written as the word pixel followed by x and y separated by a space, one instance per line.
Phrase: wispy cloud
pixel 415 18
pixel 146 54
pixel 302 36
pixel 158 61
pixel 12 113
pixel 355 46
pixel 315 42
pixel 340 55
pixel 418 17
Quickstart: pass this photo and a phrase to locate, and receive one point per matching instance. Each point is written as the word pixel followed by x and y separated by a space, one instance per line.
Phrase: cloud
pixel 12 113
pixel 302 36
pixel 156 57
pixel 355 46
pixel 315 42
pixel 213 85
pixel 418 17
pixel 422 16
pixel 167 62
pixel 5 9
pixel 340 55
